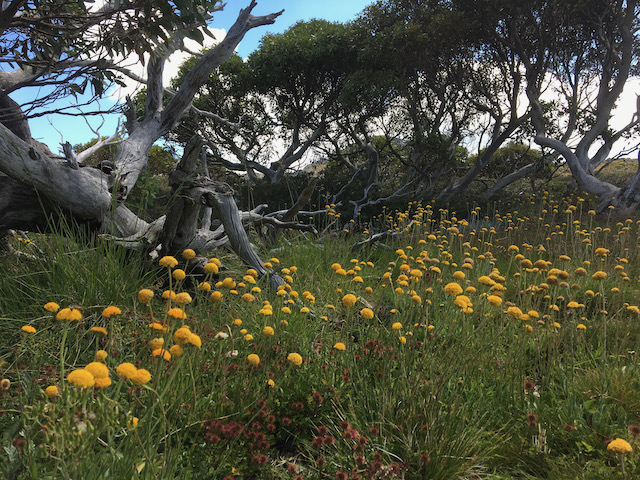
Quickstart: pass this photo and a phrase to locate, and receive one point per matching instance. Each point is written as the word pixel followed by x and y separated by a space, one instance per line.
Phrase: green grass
pixel 441 397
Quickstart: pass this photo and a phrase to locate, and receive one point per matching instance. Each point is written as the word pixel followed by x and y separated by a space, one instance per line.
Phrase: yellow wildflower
pixel 349 300
pixel 51 391
pixel 179 274
pixel 176 350
pixel 182 335
pixel 619 445
pixel 183 298
pixel 295 359
pixel 101 330
pixel 141 377
pixel 110 311
pixel 177 313
pixel 188 254
pixel 268 331
pixel 127 370
pixel 51 307
pixel 366 313
pixel 168 261
pixel 97 369
pixel 253 359
pixel 211 268
pixel 145 295
pixel 81 378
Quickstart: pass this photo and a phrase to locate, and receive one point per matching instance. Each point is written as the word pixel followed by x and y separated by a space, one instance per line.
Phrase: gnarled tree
pixel 69 46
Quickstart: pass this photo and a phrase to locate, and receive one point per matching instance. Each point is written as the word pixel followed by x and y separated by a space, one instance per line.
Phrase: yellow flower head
pixel 515 312
pixel 340 346
pixel 494 300
pixel 28 329
pixel 188 254
pixel 178 274
pixel 145 295
pixel 216 296
pixel 177 313
pixel 453 289
pixel 168 294
pixel 156 343
pixel 295 359
pixel 176 350
pixel 599 275
pixel 204 287
pixel 101 356
pixel 247 297
pixel 51 307
pixel 458 275
pixel 195 340
pixel 253 359
pixel 396 326
pixel 183 298
pixel 268 331
pixel 81 378
pixel 229 283
pixel 51 391
pixel 110 311
pixel 127 370
pixel 168 262
pixel 69 314
pixel 211 268
pixel 349 300
pixel 366 313
pixel 97 369
pixel 182 335
pixel 101 330
pixel 485 280
pixel 158 326
pixel 415 273
pixel 141 377
pixel 619 445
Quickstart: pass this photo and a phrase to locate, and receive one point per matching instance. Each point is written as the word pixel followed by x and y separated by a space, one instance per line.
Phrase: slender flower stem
pixel 62 349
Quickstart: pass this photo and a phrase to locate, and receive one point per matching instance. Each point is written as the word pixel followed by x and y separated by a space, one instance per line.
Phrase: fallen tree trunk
pixel 42 186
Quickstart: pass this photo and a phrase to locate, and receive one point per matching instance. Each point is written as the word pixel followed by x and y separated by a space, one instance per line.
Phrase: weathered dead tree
pixel 38 184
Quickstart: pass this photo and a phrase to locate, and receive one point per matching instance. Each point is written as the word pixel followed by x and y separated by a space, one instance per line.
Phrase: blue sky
pixel 76 131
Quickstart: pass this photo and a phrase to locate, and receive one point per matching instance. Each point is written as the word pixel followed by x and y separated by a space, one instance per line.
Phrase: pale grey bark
pixel 614 73
pixel 86 192
pixel 133 152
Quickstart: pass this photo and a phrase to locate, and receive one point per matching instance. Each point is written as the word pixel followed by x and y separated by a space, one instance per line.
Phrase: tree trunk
pixel 41 184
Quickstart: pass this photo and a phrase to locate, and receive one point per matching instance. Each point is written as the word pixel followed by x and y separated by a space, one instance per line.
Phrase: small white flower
pixel 222 335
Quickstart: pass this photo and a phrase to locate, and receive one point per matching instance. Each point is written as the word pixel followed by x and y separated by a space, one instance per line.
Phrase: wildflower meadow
pixel 496 343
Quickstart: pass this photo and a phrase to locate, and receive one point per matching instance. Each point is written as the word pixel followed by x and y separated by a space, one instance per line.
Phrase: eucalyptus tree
pixel 278 103
pixel 450 90
pixel 69 46
pixel 576 58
